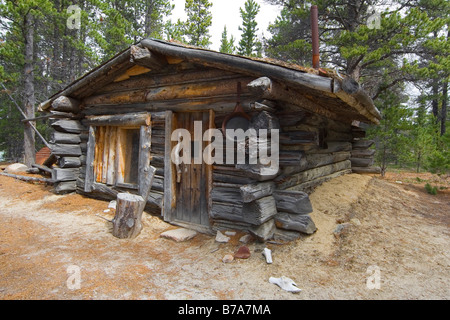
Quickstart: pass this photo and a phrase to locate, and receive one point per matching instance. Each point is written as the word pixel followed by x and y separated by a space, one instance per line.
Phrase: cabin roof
pixel 327 88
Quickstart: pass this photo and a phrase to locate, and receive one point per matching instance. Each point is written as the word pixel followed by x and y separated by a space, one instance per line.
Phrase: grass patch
pixel 430 189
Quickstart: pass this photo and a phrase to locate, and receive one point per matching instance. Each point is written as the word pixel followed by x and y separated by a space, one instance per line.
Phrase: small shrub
pixel 430 189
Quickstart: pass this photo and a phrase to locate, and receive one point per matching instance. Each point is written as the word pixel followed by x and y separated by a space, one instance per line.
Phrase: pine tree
pixel 227 45
pixel 198 22
pixel 44 46
pixel 19 55
pixel 392 144
pixel 421 135
pixel 290 39
pixel 249 44
pixel 351 42
pixel 174 31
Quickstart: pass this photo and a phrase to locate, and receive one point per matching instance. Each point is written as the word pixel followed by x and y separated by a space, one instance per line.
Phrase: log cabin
pixel 115 125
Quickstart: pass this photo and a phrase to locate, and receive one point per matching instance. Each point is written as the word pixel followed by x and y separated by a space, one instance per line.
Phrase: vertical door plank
pixel 90 160
pixel 169 182
pixel 209 173
pixel 120 156
pixel 105 153
pixel 99 150
pixel 144 158
pixel 112 145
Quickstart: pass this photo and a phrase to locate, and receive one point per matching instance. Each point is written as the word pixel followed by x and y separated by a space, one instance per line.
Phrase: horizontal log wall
pixel 68 143
pixel 313 148
pixel 362 157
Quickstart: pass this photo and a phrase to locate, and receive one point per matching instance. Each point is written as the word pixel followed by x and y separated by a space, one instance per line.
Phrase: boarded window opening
pixel 116 160
pixel 130 150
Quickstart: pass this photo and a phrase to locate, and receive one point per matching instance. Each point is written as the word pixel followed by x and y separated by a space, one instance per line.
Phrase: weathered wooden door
pixel 191 191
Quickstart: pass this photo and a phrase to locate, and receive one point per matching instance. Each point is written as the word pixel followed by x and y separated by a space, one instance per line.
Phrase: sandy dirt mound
pixel 376 239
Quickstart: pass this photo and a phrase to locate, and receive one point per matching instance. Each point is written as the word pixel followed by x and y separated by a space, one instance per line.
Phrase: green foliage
pixel 407 45
pixel 199 20
pixel 174 31
pixel 116 24
pixel 62 54
pixel 11 132
pixel 431 190
pixel 290 39
pixel 422 135
pixel 391 141
pixel 249 45
pixel 227 44
pixel 438 161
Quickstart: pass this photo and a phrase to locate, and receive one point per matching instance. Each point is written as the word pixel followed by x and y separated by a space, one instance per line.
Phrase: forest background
pixel 398 50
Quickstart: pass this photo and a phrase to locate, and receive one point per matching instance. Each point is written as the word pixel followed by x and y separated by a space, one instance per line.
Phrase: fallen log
pixel 43 168
pixel 28 179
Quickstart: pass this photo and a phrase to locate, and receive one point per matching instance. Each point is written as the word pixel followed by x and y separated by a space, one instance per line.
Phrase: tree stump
pixel 129 208
pixel 127 221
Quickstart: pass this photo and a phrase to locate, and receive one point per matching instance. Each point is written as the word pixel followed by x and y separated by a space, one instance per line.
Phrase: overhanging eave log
pixel 66 104
pixel 349 91
pixel 273 90
pixel 147 58
pixel 265 88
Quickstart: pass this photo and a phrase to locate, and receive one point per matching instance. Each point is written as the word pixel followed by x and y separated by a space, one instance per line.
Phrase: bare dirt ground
pixel 394 244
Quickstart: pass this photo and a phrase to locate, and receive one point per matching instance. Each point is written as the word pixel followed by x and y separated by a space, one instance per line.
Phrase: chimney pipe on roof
pixel 315 36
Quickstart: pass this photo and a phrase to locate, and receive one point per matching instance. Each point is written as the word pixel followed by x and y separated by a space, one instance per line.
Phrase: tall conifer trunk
pixel 29 98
